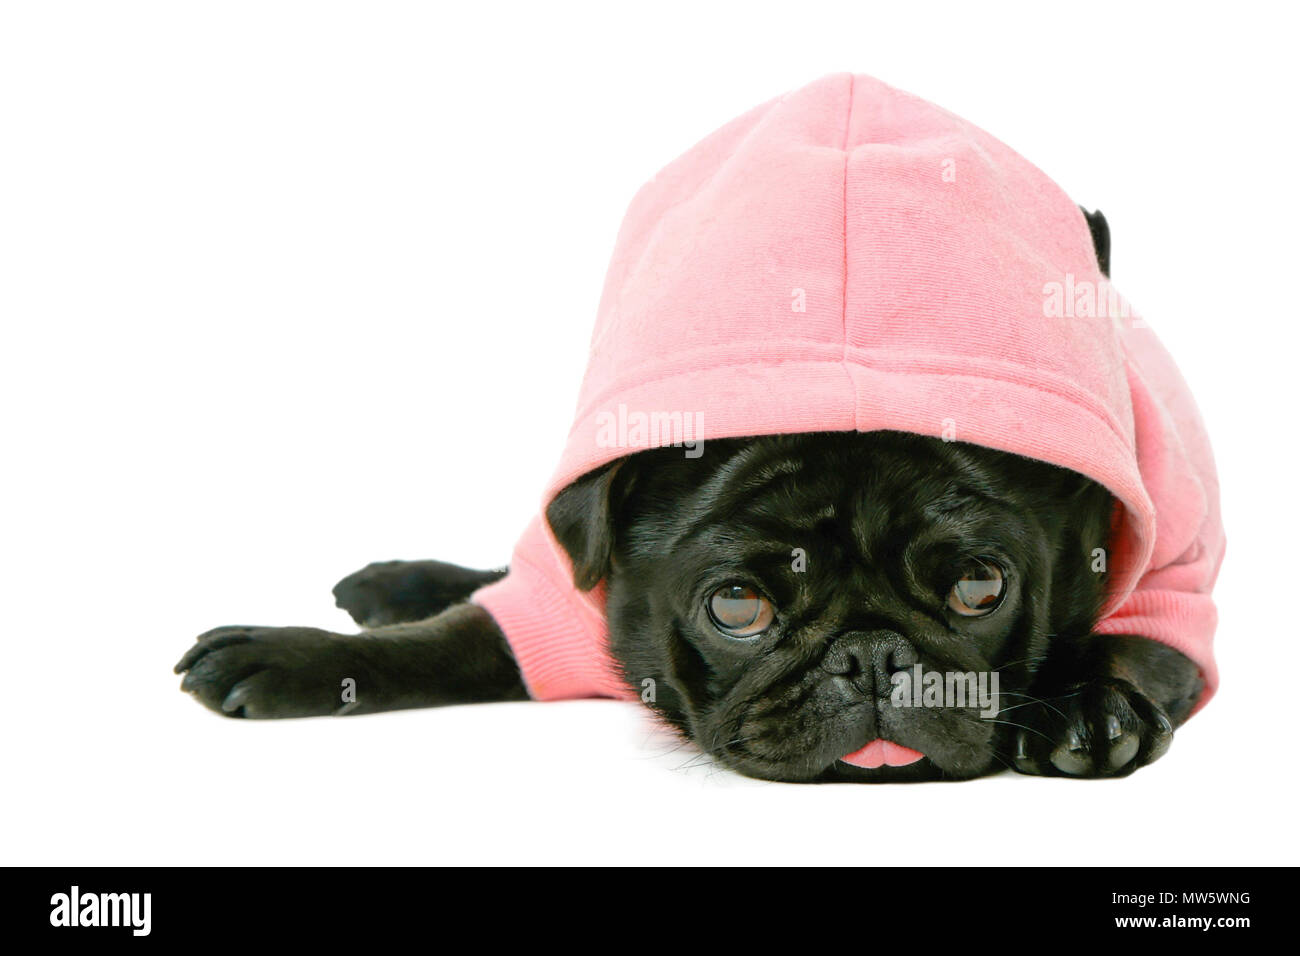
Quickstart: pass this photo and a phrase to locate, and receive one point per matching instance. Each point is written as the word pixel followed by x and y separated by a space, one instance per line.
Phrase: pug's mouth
pixel 878 760
pixel 882 753
pixel 881 759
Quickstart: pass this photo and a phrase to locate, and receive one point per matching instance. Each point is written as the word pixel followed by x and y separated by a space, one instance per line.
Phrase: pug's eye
pixel 979 590
pixel 740 611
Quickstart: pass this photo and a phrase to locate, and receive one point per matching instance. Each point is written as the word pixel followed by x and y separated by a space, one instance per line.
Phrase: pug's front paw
pixel 270 671
pixel 1101 728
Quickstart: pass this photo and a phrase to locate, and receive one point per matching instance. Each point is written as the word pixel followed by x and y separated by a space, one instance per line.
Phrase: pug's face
pixel 838 606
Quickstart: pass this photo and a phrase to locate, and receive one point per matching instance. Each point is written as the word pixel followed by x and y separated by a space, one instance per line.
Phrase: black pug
pixel 775 598
pixel 947 555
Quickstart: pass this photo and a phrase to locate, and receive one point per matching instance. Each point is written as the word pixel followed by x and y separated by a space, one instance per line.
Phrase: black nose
pixel 870 659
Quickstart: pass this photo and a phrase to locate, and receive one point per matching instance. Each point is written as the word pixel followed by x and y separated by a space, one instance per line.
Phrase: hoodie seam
pixel 844 287
pixel 879 361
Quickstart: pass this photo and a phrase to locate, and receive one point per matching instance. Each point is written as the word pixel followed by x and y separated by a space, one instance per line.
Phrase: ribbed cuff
pixel 558 636
pixel 1183 620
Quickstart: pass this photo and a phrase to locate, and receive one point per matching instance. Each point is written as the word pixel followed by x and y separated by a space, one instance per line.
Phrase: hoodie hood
pixel 851 258
pixel 848 257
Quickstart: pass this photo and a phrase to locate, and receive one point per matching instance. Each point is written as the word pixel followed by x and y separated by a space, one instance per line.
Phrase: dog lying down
pixel 874 477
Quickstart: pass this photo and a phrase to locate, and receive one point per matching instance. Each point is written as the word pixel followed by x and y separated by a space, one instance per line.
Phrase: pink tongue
pixel 882 753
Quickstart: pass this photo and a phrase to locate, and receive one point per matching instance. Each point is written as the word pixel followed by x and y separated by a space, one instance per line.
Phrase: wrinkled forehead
pixel 862 499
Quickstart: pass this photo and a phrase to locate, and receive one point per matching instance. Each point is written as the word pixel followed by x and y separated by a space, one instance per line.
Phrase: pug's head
pixel 789 601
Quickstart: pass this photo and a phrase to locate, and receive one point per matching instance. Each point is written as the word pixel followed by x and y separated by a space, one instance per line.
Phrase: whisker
pixel 1012 723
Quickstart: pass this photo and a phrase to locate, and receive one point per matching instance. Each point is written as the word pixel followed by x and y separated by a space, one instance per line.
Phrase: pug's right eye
pixel 739 611
pixel 979 590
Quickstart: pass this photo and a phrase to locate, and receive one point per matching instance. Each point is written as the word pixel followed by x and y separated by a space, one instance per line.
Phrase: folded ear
pixel 1100 230
pixel 582 519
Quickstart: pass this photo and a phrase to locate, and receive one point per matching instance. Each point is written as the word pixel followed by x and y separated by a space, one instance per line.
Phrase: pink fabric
pixel 849 257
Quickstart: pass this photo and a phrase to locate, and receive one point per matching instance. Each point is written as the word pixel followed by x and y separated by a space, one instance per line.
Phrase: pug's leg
pixel 458 657
pixel 392 592
pixel 1105 709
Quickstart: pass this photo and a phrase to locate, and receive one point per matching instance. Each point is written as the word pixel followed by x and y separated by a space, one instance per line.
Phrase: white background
pixel 286 288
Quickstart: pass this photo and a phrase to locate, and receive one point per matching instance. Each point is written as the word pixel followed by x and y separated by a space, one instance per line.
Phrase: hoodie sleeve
pixel 1172 601
pixel 557 633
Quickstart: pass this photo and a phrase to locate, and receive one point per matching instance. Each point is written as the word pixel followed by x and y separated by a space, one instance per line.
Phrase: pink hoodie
pixel 849 257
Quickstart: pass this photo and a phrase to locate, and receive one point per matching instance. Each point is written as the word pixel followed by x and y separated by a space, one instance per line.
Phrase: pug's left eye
pixel 740 611
pixel 979 589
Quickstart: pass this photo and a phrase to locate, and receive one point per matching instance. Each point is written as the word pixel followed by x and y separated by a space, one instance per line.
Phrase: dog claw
pixel 235 699
pixel 1024 763
pixel 1070 757
pixel 1124 749
pixel 1113 729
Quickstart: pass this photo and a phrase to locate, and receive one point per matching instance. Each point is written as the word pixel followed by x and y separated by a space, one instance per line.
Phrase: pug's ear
pixel 1100 230
pixel 582 519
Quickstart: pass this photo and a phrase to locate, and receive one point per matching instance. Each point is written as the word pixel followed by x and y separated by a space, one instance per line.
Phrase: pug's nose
pixel 870 659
